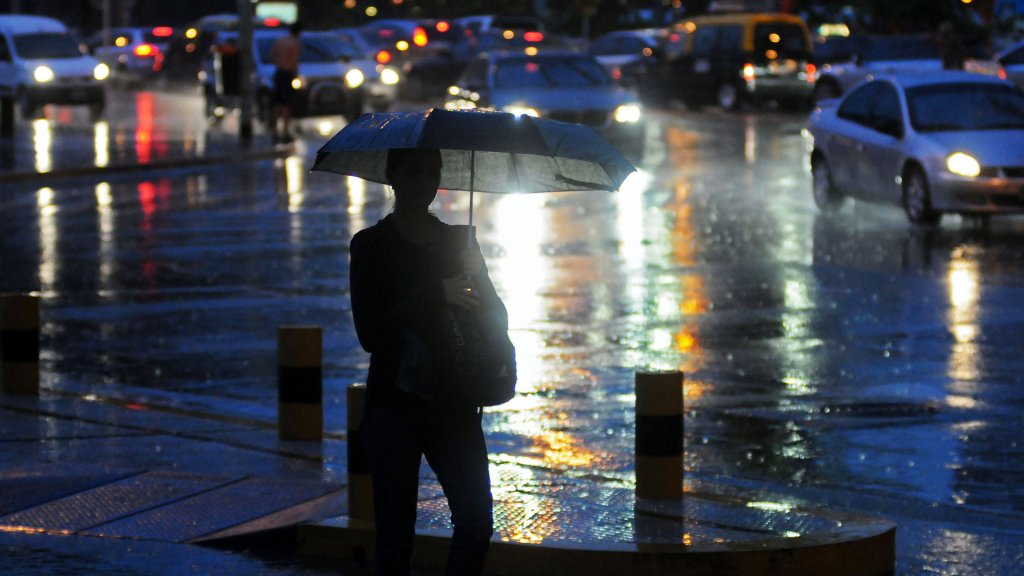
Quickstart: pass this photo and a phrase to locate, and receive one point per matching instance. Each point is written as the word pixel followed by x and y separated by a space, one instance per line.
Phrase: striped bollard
pixel 19 344
pixel 360 489
pixel 300 407
pixel 659 435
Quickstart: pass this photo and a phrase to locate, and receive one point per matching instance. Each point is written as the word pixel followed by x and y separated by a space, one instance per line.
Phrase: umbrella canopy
pixel 481 151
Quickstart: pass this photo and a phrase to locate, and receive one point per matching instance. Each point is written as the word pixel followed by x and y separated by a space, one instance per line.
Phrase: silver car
pixel 940 142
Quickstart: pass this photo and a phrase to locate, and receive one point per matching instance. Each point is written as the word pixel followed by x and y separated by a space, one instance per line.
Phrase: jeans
pixel 396 436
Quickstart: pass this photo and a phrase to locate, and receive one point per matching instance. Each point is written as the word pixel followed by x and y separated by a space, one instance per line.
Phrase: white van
pixel 41 63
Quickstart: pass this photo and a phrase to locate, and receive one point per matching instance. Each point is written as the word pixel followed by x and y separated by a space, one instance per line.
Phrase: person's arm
pixel 379 324
pixel 488 297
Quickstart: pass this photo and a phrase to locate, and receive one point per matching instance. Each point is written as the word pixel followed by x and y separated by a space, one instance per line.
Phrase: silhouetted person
pixel 951 48
pixel 284 55
pixel 404 269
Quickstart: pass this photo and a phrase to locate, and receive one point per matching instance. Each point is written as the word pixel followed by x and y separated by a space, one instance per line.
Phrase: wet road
pixel 851 362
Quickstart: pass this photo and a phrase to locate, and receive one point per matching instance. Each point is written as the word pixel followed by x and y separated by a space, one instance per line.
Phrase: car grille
pixel 591 117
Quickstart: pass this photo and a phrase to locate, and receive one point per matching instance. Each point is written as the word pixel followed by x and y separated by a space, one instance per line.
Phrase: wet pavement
pixel 851 363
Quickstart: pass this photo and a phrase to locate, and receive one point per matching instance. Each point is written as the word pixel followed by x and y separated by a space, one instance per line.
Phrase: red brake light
pixel 383 57
pixel 163 31
pixel 1001 73
pixel 146 50
pixel 533 36
pixel 442 26
pixel 812 71
pixel 419 37
pixel 272 22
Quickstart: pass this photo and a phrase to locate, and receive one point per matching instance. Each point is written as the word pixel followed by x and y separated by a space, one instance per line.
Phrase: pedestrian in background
pixel 951 47
pixel 284 55
pixel 404 269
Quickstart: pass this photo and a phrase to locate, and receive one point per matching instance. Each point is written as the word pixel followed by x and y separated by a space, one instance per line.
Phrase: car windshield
pixel 901 48
pixel 780 41
pixel 550 73
pixel 46 45
pixel 978 107
pixel 314 49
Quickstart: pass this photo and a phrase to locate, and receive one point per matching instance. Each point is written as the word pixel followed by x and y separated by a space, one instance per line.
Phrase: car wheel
pixel 825 90
pixel 826 196
pixel 728 96
pixel 917 200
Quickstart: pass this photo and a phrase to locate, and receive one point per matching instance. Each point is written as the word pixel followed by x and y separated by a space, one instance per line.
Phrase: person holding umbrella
pixel 403 270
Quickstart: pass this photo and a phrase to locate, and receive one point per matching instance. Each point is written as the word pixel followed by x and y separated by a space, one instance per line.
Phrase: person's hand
pixel 460 292
pixel 472 261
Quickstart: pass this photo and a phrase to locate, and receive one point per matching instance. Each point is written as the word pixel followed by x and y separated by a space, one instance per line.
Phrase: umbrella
pixel 482 151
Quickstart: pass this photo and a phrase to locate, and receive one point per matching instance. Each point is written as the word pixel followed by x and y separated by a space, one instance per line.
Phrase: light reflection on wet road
pixel 853 362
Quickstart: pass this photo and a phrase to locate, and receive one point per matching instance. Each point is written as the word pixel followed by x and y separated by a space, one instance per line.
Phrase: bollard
pixel 659 435
pixel 360 489
pixel 300 408
pixel 19 344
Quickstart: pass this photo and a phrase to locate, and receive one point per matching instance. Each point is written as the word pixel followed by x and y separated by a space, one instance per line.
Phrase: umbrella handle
pixel 472 176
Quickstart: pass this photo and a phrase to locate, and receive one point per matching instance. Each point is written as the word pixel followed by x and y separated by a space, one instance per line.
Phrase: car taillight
pixel 163 31
pixel 442 26
pixel 383 56
pixel 146 50
pixel 419 37
pixel 272 22
pixel 748 72
pixel 812 72
pixel 1001 73
pixel 533 36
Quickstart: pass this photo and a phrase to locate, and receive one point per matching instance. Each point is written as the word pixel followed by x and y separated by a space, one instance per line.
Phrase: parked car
pixel 877 55
pixel 327 84
pixel 404 40
pixel 135 53
pixel 1012 61
pixel 636 57
pixel 571 87
pixel 945 141
pixel 484 23
pixel 381 80
pixel 732 59
pixel 191 45
pixel 41 63
pixel 432 76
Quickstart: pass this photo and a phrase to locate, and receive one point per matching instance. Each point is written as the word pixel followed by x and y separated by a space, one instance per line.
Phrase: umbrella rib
pixel 515 171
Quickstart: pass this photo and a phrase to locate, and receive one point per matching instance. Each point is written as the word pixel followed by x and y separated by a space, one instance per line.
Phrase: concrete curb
pixel 860 548
pixel 242 156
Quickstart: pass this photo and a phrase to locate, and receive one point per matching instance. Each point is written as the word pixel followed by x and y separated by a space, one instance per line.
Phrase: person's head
pixel 415 174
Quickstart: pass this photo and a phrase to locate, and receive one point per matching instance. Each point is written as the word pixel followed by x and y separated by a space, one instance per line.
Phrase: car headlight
pixel 297 83
pixel 522 111
pixel 101 71
pixel 963 164
pixel 43 74
pixel 389 76
pixel 627 113
pixel 354 78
